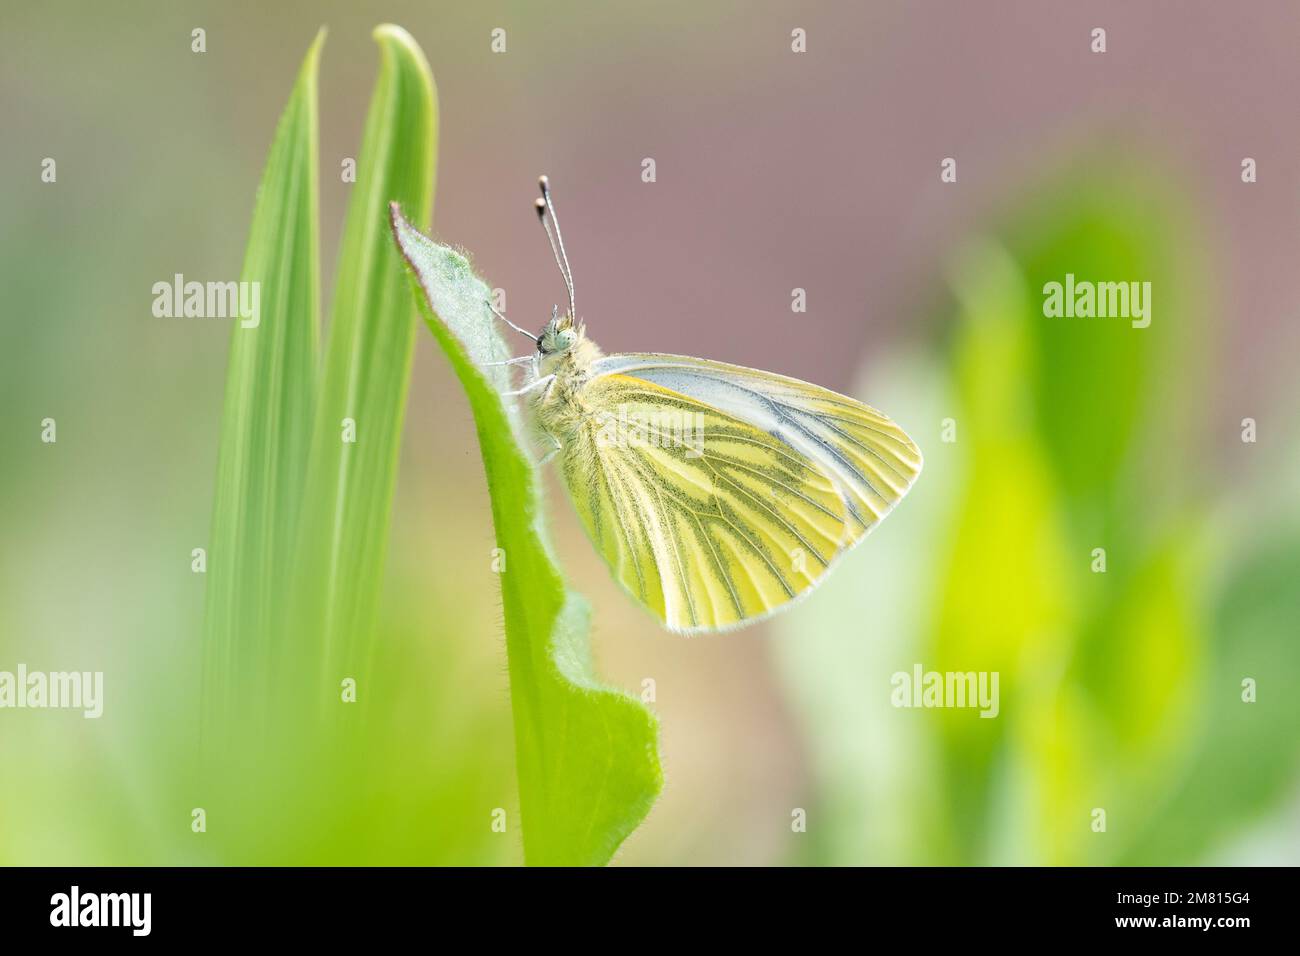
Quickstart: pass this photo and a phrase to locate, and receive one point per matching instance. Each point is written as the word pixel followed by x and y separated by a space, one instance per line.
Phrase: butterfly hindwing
pixel 718 497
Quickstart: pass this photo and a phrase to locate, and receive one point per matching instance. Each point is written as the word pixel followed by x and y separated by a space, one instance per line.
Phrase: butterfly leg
pixel 532 386
pixel 517 360
pixel 533 360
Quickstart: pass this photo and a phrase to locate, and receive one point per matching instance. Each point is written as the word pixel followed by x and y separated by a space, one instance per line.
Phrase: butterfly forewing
pixel 719 494
pixel 871 459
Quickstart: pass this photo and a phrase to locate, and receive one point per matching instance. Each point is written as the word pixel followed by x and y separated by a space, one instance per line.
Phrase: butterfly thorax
pixel 568 354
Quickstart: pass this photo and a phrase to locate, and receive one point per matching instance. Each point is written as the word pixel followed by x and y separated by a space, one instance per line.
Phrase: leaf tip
pixel 401 229
pixel 395 43
pixel 313 51
pixel 391 37
pixel 391 31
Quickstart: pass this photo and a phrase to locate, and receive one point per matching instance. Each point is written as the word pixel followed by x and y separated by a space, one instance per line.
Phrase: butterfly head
pixel 559 335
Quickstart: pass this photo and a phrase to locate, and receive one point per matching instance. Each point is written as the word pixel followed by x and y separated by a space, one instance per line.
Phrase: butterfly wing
pixel 719 494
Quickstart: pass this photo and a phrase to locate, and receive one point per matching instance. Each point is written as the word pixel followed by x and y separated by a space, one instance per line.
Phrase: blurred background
pixel 775 170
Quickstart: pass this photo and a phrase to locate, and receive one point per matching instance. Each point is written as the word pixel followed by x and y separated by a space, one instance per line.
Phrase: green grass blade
pixel 587 755
pixel 267 420
pixel 367 369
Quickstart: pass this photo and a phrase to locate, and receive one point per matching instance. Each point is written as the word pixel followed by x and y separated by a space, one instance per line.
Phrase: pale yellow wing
pixel 725 498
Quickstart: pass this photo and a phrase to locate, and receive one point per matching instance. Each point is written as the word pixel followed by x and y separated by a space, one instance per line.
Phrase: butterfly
pixel 717 494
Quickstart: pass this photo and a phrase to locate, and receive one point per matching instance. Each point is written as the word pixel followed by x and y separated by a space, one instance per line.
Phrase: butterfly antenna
pixel 497 313
pixel 544 205
pixel 559 260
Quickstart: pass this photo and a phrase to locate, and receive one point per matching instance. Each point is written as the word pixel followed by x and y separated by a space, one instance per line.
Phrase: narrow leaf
pixel 587 754
pixel 267 420
pixel 368 366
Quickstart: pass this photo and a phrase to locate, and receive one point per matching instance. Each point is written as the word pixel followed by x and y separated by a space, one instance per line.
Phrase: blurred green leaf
pixel 1096 667
pixel 1003 594
pixel 1247 754
pixel 267 419
pixel 362 397
pixel 1111 401
pixel 587 754
pixel 1112 405
pixel 1064 419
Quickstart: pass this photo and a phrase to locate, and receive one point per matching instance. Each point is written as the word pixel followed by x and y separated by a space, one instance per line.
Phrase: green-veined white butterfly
pixel 717 494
